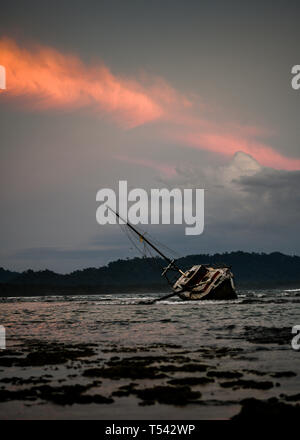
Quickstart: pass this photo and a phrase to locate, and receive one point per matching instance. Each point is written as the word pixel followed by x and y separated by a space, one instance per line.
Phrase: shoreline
pixel 27 290
pixel 84 380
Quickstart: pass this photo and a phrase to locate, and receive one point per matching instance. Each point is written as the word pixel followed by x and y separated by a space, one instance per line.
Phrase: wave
pixel 250 297
pixel 292 290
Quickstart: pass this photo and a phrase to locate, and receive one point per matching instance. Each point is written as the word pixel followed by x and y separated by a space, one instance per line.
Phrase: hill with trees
pixel 257 270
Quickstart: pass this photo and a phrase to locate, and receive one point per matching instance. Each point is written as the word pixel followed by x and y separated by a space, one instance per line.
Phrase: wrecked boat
pixel 200 282
pixel 206 282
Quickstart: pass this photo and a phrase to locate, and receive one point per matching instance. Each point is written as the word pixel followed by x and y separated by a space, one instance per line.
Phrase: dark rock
pixel 123 370
pixel 272 410
pixel 48 353
pixel 268 335
pixel 291 398
pixel 21 381
pixel 169 395
pixel 248 384
pixel 125 390
pixel 63 395
pixel 283 374
pixel 191 381
pixel 225 374
pixel 190 367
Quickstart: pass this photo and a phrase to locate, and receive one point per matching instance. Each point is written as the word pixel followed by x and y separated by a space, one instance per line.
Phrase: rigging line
pixel 136 231
pixel 130 237
pixel 161 245
pixel 147 252
pixel 152 259
pixel 157 242
pixel 145 232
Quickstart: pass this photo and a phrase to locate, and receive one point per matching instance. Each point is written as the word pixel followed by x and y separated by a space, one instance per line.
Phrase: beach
pixel 116 356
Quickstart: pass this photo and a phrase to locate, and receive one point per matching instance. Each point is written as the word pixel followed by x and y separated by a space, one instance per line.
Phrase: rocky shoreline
pixel 37 372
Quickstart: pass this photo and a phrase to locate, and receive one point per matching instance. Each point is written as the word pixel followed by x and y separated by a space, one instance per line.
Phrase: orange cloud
pixel 46 79
pixel 228 144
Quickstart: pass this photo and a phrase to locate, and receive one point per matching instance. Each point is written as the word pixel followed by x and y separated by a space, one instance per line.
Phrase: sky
pixel 163 94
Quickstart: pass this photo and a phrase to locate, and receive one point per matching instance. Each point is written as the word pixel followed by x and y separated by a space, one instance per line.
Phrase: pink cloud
pixel 42 78
pixel 48 79
pixel 228 144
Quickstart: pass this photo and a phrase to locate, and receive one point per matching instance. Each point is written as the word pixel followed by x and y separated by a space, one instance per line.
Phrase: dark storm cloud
pixel 247 206
pixel 268 179
pixel 275 194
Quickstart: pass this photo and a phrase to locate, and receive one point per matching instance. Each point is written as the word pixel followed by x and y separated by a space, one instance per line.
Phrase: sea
pixel 252 334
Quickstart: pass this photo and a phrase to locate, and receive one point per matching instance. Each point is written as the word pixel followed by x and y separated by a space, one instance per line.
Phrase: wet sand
pixel 119 357
pixel 40 379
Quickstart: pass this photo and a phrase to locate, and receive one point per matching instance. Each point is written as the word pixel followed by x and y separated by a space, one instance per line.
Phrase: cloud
pixel 274 197
pixel 228 144
pixel 241 165
pixel 247 206
pixel 44 78
pixel 47 79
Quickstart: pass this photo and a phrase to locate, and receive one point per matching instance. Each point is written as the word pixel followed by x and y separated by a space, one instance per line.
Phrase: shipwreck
pixel 200 282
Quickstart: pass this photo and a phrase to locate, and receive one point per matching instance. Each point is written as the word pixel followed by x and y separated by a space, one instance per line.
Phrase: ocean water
pixel 255 329
pixel 131 318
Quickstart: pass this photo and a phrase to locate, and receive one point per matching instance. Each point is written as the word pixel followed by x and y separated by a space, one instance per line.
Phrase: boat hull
pixel 225 291
pixel 203 282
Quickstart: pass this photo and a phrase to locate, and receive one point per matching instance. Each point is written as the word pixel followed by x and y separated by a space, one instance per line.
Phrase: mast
pixel 171 262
